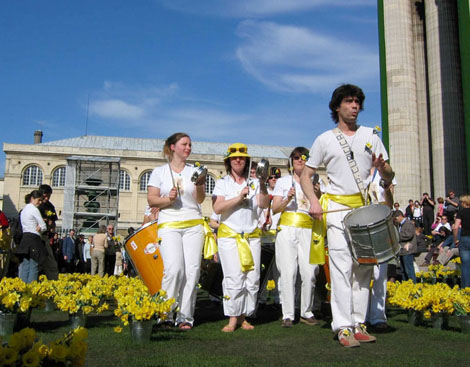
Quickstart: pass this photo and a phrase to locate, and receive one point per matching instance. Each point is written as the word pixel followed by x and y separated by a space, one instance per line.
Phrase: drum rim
pixel 148 224
pixel 369 224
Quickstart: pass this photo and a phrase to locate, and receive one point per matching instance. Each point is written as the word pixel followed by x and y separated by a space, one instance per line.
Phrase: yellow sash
pixel 270 233
pixel 317 244
pixel 210 245
pixel 244 251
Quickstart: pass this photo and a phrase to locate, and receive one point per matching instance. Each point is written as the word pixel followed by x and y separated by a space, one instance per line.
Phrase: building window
pixel 32 176
pixel 124 181
pixel 210 184
pixel 144 179
pixel 58 177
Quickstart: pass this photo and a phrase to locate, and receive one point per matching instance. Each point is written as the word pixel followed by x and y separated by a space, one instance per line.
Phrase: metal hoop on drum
pixel 371 234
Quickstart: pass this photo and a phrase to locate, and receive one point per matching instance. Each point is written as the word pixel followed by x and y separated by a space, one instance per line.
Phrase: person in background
pixel 110 251
pixel 87 247
pixel 68 251
pixel 49 266
pixel 409 209
pixel 440 207
pixel 99 244
pixel 408 245
pixel 418 214
pixel 451 206
pixel 396 206
pixel 118 267
pixel 427 204
pixel 462 221
pixel 31 250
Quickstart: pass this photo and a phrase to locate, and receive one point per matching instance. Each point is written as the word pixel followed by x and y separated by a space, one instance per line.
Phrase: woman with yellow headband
pixel 180 225
pixel 293 242
pixel 239 200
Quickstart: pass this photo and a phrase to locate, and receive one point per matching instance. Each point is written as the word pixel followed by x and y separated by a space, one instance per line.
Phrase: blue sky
pixel 255 71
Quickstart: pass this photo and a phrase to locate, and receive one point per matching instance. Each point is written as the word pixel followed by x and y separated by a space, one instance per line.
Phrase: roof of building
pixel 156 145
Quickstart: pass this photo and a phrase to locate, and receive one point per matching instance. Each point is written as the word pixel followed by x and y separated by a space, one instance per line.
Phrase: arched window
pixel 124 181
pixel 210 184
pixel 32 176
pixel 58 177
pixel 144 179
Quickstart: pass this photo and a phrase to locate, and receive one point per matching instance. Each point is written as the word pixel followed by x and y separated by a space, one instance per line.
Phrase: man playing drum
pixel 348 148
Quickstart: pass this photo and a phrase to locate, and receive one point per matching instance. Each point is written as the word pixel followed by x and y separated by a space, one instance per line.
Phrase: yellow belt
pixel 244 251
pixel 210 245
pixel 269 233
pixel 317 244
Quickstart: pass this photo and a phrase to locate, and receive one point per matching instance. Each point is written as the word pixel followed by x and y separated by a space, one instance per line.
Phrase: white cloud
pixel 116 109
pixel 297 59
pixel 256 8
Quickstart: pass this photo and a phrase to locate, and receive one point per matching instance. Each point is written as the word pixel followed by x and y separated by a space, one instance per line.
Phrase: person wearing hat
pixel 268 224
pixel 293 242
pixel 238 199
pixel 180 225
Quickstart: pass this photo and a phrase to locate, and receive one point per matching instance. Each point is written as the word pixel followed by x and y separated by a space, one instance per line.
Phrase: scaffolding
pixel 91 193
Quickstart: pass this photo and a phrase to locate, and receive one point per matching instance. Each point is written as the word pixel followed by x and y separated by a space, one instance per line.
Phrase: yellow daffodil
pixel 270 285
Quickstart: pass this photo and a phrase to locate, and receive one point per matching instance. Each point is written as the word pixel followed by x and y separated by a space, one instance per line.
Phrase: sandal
pixel 228 329
pixel 245 325
pixel 185 326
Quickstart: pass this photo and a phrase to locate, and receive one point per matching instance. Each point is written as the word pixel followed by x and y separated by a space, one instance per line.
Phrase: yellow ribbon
pixel 210 245
pixel 244 251
pixel 270 233
pixel 317 244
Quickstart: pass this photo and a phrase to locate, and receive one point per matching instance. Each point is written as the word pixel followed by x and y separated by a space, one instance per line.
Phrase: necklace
pixel 351 154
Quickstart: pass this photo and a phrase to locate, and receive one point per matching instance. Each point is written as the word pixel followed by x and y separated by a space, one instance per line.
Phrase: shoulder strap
pixel 352 163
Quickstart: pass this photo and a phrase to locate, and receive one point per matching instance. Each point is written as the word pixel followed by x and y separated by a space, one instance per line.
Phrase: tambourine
pixel 262 170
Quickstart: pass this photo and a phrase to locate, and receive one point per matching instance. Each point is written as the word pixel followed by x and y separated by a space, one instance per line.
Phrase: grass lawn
pixel 267 345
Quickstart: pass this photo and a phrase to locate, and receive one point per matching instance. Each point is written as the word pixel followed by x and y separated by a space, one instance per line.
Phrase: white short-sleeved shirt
pixel 300 203
pixel 244 217
pixel 185 207
pixel 326 150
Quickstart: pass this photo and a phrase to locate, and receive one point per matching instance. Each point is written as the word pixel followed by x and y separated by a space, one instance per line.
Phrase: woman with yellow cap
pixel 180 225
pixel 239 200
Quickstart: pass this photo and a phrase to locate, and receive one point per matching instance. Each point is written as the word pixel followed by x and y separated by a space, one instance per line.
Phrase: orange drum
pixel 142 248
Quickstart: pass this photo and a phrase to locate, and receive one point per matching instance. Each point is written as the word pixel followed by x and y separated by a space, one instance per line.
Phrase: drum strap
pixel 317 244
pixel 244 251
pixel 210 245
pixel 352 163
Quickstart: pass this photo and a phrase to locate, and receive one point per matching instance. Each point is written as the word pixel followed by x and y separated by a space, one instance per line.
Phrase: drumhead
pixel 367 216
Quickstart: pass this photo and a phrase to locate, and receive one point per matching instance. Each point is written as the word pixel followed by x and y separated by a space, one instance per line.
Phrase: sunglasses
pixel 297 157
pixel 272 177
pixel 240 150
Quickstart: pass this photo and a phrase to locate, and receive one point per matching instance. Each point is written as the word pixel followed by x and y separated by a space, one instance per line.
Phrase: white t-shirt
pixel 31 218
pixel 243 217
pixel 326 150
pixel 185 207
pixel 281 189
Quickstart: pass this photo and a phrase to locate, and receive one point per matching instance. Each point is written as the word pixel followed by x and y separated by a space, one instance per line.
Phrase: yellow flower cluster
pixel 83 292
pixel 456 260
pixel 429 298
pixel 134 300
pixel 437 272
pixel 24 349
pixel 15 295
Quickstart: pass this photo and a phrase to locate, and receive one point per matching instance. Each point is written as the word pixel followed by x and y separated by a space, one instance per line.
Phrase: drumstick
pixel 172 178
pixel 248 179
pixel 293 183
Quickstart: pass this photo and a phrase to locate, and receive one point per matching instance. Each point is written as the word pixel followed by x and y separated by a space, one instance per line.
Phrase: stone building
pixel 425 85
pixel 29 165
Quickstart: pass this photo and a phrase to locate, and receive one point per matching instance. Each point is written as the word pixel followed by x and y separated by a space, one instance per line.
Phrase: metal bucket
pixel 141 330
pixel 7 323
pixel 372 236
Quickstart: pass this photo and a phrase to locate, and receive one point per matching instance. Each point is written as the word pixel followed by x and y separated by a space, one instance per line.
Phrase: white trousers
pixel 350 282
pixel 240 288
pixel 378 295
pixel 292 253
pixel 181 251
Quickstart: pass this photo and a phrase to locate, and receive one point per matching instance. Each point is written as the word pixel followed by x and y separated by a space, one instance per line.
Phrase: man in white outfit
pixel 348 148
